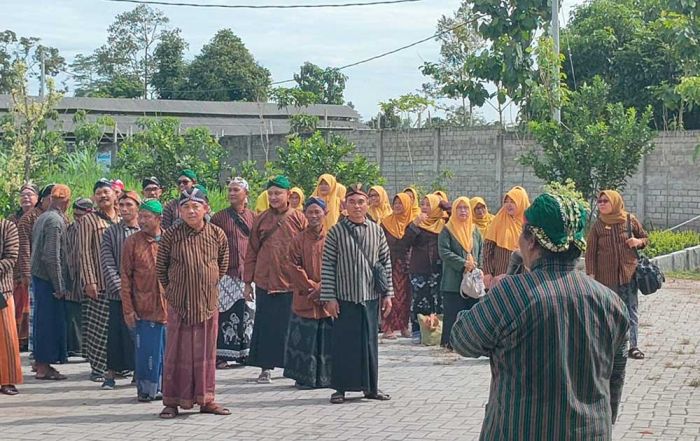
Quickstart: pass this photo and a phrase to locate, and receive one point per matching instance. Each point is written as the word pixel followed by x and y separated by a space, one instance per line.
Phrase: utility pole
pixel 556 113
pixel 42 77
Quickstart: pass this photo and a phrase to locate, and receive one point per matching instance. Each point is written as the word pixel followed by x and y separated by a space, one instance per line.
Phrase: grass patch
pixel 685 275
pixel 694 383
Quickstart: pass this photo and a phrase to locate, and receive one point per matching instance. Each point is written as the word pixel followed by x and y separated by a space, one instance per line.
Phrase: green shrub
pixel 666 242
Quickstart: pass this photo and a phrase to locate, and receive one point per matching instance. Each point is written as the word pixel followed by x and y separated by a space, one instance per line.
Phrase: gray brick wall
pixel 665 191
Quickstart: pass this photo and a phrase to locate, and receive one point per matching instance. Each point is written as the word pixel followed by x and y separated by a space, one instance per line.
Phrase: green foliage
pixel 547 93
pixel 598 145
pixel 453 76
pixel 568 189
pixel 126 59
pixel 397 112
pixel 510 28
pixel 303 160
pixel 226 71
pixel 170 76
pixel 28 51
pixel 641 48
pixel 159 150
pixel 303 124
pixel 441 182
pixel 667 242
pixel 327 85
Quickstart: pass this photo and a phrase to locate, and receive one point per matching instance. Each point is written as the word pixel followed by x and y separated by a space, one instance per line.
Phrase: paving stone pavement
pixel 436 395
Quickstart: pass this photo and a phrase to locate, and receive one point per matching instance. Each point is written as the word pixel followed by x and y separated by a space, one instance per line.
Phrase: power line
pixel 296 6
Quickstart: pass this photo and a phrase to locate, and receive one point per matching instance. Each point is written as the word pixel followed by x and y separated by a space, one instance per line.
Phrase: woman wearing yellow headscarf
pixel 415 203
pixel 379 206
pixel 296 198
pixel 261 203
pixel 444 203
pixel 394 226
pixel 459 245
pixel 480 214
pixel 502 235
pixel 425 266
pixel 327 188
pixel 611 256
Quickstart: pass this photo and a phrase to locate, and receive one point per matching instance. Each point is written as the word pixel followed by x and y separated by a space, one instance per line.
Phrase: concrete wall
pixel 664 192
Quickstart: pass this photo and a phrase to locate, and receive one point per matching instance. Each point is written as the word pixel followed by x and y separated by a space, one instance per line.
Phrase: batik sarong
pixel 308 355
pixel 149 344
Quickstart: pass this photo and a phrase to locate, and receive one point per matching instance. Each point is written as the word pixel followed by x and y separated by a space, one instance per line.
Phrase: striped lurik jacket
pixel 345 272
pixel 557 341
pixel 111 256
pixel 9 250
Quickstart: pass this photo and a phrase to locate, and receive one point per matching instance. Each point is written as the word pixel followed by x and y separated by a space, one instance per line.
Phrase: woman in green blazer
pixel 459 246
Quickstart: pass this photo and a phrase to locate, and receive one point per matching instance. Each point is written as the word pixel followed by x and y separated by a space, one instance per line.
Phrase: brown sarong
pixel 190 362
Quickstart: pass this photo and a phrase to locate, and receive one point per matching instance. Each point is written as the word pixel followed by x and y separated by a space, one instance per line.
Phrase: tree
pixel 32 146
pixel 510 28
pixel 170 75
pixel 159 150
pixel 226 71
pixel 453 76
pixel 326 84
pixel 28 51
pixel 304 159
pixel 641 48
pixel 127 58
pixel 598 145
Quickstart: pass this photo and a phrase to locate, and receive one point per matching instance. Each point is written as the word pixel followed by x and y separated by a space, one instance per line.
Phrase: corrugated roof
pixel 183 107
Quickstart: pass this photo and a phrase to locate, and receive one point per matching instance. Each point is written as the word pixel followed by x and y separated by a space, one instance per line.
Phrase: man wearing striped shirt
pixel 49 281
pixel 89 238
pixel 355 249
pixel 556 338
pixel 120 347
pixel 75 298
pixel 192 257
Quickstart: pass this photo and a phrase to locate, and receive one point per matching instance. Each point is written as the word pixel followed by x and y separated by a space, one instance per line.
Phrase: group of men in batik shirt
pixel 170 293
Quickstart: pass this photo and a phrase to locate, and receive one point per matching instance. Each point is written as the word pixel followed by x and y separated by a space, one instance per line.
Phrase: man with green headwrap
pixel 556 338
pixel 171 212
pixel 265 265
pixel 143 303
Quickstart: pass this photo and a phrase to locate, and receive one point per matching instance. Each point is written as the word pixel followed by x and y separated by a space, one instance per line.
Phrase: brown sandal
pixel 52 375
pixel 168 413
pixel 9 390
pixel 214 409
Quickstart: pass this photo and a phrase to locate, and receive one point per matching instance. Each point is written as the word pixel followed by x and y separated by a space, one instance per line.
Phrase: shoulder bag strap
pixel 357 244
pixel 238 220
pixel 275 227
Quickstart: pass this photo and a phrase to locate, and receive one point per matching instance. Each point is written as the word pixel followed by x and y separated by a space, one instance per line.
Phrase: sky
pixel 280 40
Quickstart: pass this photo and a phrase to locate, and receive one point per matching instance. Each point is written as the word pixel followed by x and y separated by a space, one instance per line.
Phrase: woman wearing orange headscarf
pixel 503 234
pixel 459 245
pixel 611 256
pixel 415 204
pixel 394 227
pixel 328 189
pixel 425 266
pixel 379 206
pixel 480 214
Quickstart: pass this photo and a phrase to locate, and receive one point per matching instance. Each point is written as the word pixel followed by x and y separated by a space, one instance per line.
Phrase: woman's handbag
pixel 648 275
pixel 472 286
